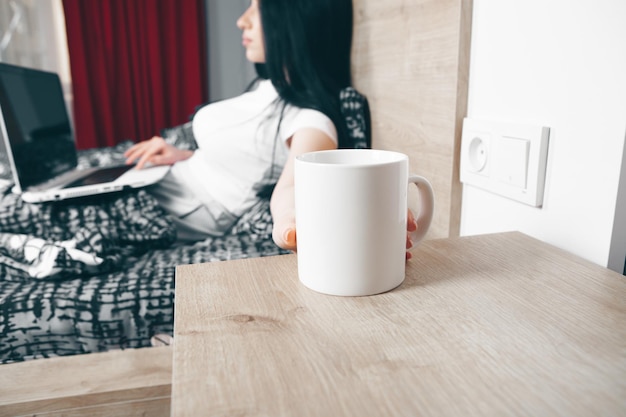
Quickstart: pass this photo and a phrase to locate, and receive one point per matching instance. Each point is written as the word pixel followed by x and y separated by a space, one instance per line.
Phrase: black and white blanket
pixel 78 237
pixel 108 288
pixel 98 273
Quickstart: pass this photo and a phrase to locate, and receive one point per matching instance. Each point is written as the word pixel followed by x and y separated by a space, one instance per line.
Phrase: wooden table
pixel 131 382
pixel 493 325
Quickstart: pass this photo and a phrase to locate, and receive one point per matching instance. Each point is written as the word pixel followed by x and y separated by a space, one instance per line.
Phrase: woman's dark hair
pixel 307 53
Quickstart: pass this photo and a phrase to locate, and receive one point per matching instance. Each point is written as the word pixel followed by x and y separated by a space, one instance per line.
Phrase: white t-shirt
pixel 238 152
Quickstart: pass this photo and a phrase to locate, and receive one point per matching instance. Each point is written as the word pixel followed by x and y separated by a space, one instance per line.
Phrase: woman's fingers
pixel 290 238
pixel 411 223
pixel 411 226
pixel 136 151
pixel 144 152
pixel 284 235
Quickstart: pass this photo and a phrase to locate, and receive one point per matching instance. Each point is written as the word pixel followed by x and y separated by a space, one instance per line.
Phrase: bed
pixel 98 273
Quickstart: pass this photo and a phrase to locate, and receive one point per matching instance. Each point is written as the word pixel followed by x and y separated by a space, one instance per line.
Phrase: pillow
pixel 106 156
pixel 180 136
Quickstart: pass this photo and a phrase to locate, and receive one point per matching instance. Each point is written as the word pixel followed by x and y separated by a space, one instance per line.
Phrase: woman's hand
pixel 156 152
pixel 411 226
pixel 282 203
pixel 284 232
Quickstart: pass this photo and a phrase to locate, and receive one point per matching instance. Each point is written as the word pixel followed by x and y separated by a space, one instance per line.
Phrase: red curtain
pixel 137 66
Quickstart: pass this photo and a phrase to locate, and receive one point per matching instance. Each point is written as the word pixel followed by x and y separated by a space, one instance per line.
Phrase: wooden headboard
pixel 411 59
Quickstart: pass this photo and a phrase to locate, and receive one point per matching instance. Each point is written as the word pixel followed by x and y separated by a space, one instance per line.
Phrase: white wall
pixel 229 70
pixel 561 64
pixel 38 40
pixel 617 261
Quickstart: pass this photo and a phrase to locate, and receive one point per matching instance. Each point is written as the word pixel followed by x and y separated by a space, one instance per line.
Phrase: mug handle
pixel 424 216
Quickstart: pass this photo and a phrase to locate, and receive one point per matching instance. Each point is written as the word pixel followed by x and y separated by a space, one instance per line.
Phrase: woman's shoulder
pixel 296 118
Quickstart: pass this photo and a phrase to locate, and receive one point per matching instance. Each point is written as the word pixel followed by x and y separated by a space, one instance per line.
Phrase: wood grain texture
pixel 126 382
pixel 492 325
pixel 411 59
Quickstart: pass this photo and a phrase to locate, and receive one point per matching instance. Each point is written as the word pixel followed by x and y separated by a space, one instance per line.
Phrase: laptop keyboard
pixel 65 178
pixel 100 176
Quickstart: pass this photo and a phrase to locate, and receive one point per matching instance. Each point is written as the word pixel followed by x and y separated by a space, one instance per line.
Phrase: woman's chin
pixel 254 57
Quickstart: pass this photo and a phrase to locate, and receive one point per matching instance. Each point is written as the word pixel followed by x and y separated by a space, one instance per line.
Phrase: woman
pixel 301 51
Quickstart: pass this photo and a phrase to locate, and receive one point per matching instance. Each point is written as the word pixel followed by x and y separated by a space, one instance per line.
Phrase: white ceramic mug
pixel 351 219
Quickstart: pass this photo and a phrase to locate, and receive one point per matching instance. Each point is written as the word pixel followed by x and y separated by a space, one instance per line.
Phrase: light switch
pixel 512 161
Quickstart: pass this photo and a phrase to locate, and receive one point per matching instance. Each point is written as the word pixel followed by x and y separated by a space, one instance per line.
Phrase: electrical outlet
pixel 506 159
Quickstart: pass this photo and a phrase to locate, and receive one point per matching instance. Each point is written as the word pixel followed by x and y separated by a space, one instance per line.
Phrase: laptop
pixel 40 145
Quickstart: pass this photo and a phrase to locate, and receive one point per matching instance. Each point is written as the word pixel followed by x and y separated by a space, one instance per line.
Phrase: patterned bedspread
pixel 97 273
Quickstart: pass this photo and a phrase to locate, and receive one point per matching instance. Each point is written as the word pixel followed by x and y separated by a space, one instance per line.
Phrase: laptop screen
pixel 36 124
